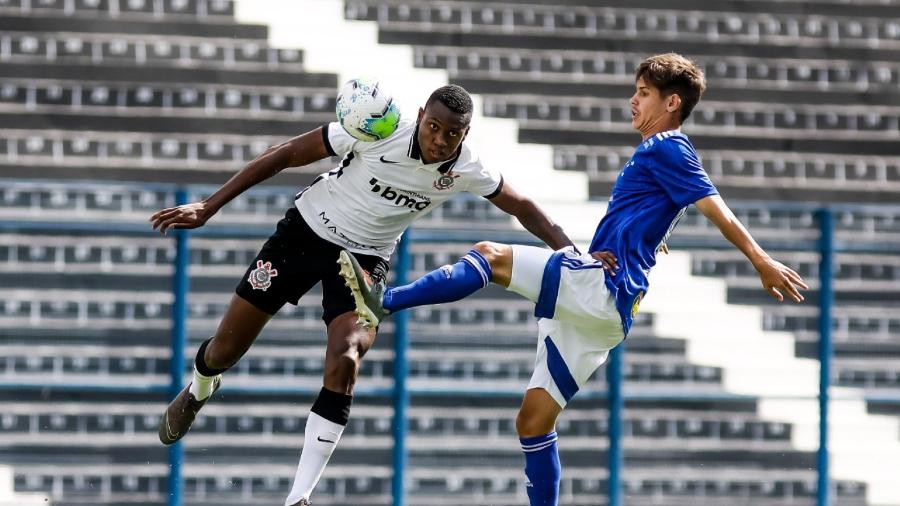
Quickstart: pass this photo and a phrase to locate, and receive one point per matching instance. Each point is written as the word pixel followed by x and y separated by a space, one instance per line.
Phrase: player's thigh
pixel 567 355
pixel 573 290
pixel 583 299
pixel 242 320
pixel 348 341
pixel 528 270
pixel 286 266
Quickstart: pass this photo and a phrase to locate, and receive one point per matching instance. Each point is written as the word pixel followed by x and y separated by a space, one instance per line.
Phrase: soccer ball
pixel 366 110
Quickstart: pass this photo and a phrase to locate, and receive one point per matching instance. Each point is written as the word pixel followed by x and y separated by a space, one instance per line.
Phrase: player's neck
pixel 664 126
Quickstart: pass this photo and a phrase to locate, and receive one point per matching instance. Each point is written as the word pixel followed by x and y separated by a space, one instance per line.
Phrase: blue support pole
pixel 826 299
pixel 616 405
pixel 401 393
pixel 180 288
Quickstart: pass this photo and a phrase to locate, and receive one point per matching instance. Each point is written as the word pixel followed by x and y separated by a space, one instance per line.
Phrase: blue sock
pixel 542 469
pixel 446 284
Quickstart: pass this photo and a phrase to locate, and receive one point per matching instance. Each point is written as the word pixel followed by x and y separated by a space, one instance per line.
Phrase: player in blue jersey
pixel 585 303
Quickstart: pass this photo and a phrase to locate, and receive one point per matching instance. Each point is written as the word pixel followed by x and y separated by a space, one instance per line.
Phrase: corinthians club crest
pixel 261 277
pixel 445 182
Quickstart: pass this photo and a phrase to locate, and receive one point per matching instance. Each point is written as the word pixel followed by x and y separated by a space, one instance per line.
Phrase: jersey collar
pixel 415 152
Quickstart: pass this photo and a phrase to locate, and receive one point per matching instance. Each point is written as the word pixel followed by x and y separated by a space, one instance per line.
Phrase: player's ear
pixel 673 103
pixel 421 115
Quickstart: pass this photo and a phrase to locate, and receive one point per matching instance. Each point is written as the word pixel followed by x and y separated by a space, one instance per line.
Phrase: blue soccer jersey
pixel 651 194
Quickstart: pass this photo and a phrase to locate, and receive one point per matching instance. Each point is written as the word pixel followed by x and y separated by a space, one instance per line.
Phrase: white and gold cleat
pixel 367 294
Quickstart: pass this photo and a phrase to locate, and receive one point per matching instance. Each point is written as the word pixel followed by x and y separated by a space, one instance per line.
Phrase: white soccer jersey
pixel 381 187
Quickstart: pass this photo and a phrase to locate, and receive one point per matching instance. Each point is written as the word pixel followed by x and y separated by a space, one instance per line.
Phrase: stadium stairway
pixel 9 497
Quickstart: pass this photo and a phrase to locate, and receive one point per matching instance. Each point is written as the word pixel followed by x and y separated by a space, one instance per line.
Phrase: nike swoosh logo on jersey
pixel 324 440
pixel 384 160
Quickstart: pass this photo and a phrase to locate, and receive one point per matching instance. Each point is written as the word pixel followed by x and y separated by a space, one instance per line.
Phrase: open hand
pixel 779 279
pixel 610 264
pixel 184 216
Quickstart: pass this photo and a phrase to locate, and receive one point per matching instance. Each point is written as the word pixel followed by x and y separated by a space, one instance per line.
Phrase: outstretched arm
pixel 301 150
pixel 531 217
pixel 777 278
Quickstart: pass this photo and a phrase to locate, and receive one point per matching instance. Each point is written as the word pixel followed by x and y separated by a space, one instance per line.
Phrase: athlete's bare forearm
pixel 539 224
pixel 298 151
pixel 778 279
pixel 716 211
pixel 531 217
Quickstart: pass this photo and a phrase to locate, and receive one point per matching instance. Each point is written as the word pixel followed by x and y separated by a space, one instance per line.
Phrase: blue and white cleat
pixel 367 294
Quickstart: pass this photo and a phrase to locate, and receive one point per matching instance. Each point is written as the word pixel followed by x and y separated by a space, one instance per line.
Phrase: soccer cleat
pixel 180 414
pixel 367 295
pixel 302 502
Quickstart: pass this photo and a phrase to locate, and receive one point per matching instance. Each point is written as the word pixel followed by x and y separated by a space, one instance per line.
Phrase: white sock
pixel 202 386
pixel 319 440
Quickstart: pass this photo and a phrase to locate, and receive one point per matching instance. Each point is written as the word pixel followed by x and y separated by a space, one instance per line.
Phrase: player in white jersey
pixel 362 206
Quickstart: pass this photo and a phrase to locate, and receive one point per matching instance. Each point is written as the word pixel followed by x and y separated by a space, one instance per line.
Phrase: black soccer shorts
pixel 292 261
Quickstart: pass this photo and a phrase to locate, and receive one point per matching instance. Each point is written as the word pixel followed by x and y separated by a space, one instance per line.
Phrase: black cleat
pixel 180 414
pixel 367 294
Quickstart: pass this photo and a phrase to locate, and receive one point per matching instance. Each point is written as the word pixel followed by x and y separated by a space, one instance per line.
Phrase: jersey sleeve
pixel 679 172
pixel 484 182
pixel 337 141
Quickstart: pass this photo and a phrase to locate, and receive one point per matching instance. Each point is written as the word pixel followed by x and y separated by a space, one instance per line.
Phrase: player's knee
pixel 527 425
pixel 494 253
pixel 530 423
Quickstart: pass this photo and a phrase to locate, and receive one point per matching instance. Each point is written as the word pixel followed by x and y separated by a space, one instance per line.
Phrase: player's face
pixel 441 131
pixel 650 111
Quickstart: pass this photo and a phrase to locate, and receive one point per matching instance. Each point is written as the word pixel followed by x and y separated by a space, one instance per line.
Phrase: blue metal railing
pixel 400 391
pixel 826 297
pixel 181 288
pixel 614 432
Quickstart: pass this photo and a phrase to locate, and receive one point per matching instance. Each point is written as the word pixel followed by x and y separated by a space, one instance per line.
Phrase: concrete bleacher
pixel 148 91
pixel 565 72
pixel 85 325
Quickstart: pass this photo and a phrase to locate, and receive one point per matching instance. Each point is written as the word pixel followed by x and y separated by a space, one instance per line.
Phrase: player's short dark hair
pixel 455 97
pixel 672 74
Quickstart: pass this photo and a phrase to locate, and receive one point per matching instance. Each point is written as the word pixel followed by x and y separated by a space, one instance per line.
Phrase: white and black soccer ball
pixel 366 110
